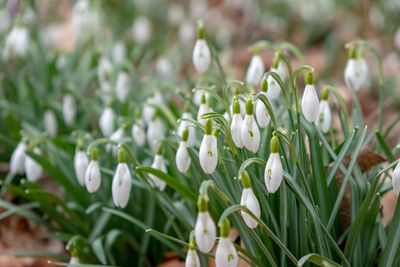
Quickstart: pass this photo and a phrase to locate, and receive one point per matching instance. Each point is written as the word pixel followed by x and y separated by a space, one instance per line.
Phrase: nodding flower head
pixel 106 121
pixel 183 124
pixel 33 170
pixel 182 155
pixel 208 153
pixel 50 123
pixel 17 160
pixel 81 162
pixel 205 230
pixel 273 171
pixel 192 259
pixel 69 109
pixel 138 133
pixel 396 179
pixel 249 132
pixel 92 175
pixel 201 51
pixel 356 71
pixel 225 255
pixel 256 69
pixel 250 201
pixel 236 125
pixel 158 164
pixel 310 102
pixel 325 116
pixel 121 185
pixel 203 109
pixel 262 115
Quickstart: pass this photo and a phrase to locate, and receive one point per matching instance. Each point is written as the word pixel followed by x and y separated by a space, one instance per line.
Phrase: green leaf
pixel 98 250
pixel 382 143
pixel 318 260
pixel 390 251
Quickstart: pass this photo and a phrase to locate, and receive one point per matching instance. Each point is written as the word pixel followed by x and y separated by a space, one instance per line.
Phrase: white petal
pixel 325 117
pixel 201 56
pixel 17 160
pixel 142 30
pixel 50 123
pixel 255 71
pixel 159 165
pixel 250 201
pixel 205 232
pixel 74 260
pixel 225 255
pixel 182 157
pixel 355 73
pixel 93 176
pixel 236 127
pixel 138 135
pixel 69 109
pixel 208 154
pixel 274 88
pixel 81 162
pixel 250 134
pixel 106 122
pixel 33 170
pixel 396 179
pixel 122 86
pixel 203 109
pixel 192 259
pixel 310 103
pixel 261 114
pixel 273 173
pixel 155 131
pixel 121 186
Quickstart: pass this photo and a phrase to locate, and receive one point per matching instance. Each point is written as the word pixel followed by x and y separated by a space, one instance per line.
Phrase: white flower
pixel 325 117
pixel 17 42
pixel 81 162
pixel 159 165
pixel 236 125
pixel 122 86
pixel 182 157
pixel 273 173
pixel 106 121
pixel 106 92
pixel 242 104
pixel 93 176
pixel 396 179
pixel 104 70
pixel 116 137
pixel 33 170
pixel 310 102
pixel 261 113
pixel 281 70
pixel 155 131
pixel 164 67
pixel 208 153
pixel 121 185
pixel 81 16
pixel 397 38
pixel 17 160
pixel 119 52
pixel 148 109
pixel 355 73
pixel 50 123
pixel 138 134
pixel 203 109
pixel 182 126
pixel 205 232
pixel 201 56
pixel 225 255
pixel 250 201
pixel 250 133
pixel 74 260
pixel 274 89
pixel 192 259
pixel 142 30
pixel 255 70
pixel 69 109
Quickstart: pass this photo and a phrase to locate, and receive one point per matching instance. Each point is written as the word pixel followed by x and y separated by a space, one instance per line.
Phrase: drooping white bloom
pixel 273 173
pixel 274 89
pixel 69 109
pixel 310 102
pixel 203 109
pixel 325 117
pixel 116 136
pixel 396 179
pixel 208 153
pixel 106 122
pixel 261 112
pixel 356 71
pixel 119 52
pixel 138 134
pixel 164 67
pixel 250 201
pixel 155 131
pixel 158 164
pixel 225 255
pixel 281 70
pixel 255 70
pixel 182 157
pixel 93 176
pixel 33 169
pixel 205 232
pixel 236 125
pixel 50 123
pixel 74 260
pixel 82 16
pixel 249 132
pixel 148 109
pixel 81 162
pixel 122 86
pixel 142 30
pixel 201 56
pixel 17 160
pixel 17 42
pixel 197 96
pixel 121 185
pixel 182 126
pixel 104 70
pixel 192 259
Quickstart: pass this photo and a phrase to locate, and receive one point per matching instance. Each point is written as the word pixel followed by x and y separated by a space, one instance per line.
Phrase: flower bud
pixel 92 175
pixel 33 169
pixel 192 259
pixel 106 122
pixel 138 133
pixel 104 71
pixel 158 164
pixel 250 133
pixel 201 52
pixel 274 89
pixel 142 30
pixel 17 42
pixel 261 112
pixel 122 87
pixel 255 71
pixel 225 255
pixel 356 71
pixel 121 185
pixel 208 153
pixel 69 109
pixel 205 230
pixel 81 162
pixel 250 201
pixel 50 123
pixel 325 117
pixel 183 125
pixel 396 179
pixel 273 171
pixel 203 109
pixel 155 131
pixel 310 102
pixel 182 155
pixel 17 161
pixel 236 125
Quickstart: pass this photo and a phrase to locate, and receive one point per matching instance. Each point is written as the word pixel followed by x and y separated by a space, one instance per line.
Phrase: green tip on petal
pixel 325 94
pixel 79 144
pixel 200 30
pixel 275 62
pixel 95 154
pixel 159 150
pixel 237 91
pixel 185 134
pixel 186 108
pixel 192 241
pixel 264 85
pixel 246 182
pixel 216 132
pixel 121 156
pixel 309 78
pixel 249 107
pixel 236 107
pixel 225 227
pixel 352 52
pixel 256 49
pixel 208 127
pixel 274 144
pixel 202 204
pixel 203 98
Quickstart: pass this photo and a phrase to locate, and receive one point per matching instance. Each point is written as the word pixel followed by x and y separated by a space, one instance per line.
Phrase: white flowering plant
pixel 267 171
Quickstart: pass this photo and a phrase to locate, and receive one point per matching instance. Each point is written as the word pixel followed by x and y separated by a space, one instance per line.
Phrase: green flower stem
pixel 211 184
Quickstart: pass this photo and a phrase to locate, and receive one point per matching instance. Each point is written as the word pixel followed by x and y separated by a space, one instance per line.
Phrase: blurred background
pixel 154 40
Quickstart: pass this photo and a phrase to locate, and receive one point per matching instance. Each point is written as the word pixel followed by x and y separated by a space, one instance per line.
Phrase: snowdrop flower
pixel 74 260
pixel 250 201
pixel 17 42
pixel 201 51
pixel 208 153
pixel 50 123
pixel 325 117
pixel 182 155
pixel 92 175
pixel 273 170
pixel 242 104
pixel 261 113
pixel 148 109
pixel 203 109
pixel 81 162
pixel 142 30
pixel 397 38
pixel 106 121
pixel 256 69
pixel 163 67
pixel 184 124
pixel 356 71
pixel 280 69
pixel 121 185
pixel 310 102
pixel 104 70
pixel 250 133
pixel 192 259
pixel 205 230
pixel 119 52
pixel 138 133
pixel 33 170
pixel 158 164
pixel 225 255
pixel 122 86
pixel 69 109
pixel 155 131
pixel 396 179
pixel 17 160
pixel 116 137
pixel 81 16
pixel 236 125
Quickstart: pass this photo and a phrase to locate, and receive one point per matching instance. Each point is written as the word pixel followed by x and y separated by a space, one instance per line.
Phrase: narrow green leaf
pixel 318 260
